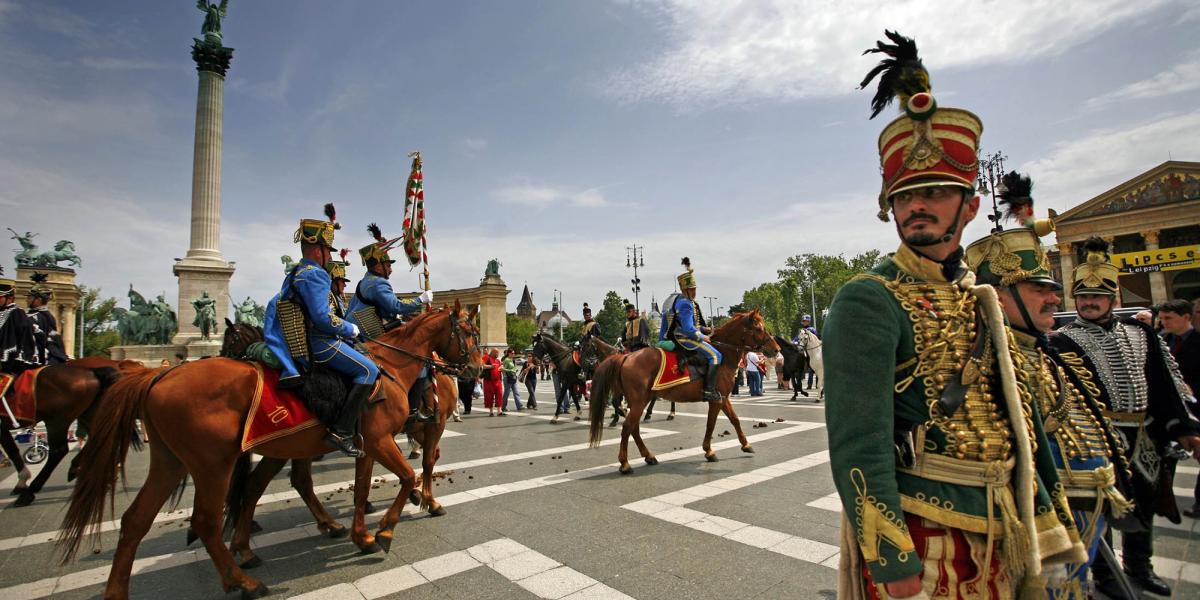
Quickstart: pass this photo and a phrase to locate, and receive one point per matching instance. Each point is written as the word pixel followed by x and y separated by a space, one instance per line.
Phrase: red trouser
pixel 952 559
pixel 492 389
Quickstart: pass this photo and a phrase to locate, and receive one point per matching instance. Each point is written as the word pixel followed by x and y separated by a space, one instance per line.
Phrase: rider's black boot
pixel 341 434
pixel 416 397
pixel 710 384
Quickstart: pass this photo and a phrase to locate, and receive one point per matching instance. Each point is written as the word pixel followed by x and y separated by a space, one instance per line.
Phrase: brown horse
pixel 246 487
pixel 64 393
pixel 194 415
pixel 632 376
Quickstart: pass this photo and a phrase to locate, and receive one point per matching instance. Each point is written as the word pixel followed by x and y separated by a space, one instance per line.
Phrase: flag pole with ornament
pixel 415 247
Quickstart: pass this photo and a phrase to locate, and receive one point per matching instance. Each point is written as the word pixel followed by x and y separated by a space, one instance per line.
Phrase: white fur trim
pixel 1024 476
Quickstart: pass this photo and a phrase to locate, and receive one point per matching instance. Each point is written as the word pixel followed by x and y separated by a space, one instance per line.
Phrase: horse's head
pixel 749 331
pixel 65 245
pixel 238 337
pixel 452 334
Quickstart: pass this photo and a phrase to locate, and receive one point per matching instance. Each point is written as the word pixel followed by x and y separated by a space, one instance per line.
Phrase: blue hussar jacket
pixel 376 291
pixel 313 286
pixel 685 320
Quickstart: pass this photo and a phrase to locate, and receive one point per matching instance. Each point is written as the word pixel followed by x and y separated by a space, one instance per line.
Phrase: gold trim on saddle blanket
pixel 6 381
pixel 662 367
pixel 247 444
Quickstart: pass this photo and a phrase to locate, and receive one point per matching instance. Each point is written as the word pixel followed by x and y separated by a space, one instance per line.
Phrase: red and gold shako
pixel 928 145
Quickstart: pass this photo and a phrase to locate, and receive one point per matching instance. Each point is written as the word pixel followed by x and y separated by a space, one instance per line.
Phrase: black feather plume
pixel 687 262
pixel 1018 193
pixel 330 212
pixel 375 232
pixel 900 76
pixel 1096 244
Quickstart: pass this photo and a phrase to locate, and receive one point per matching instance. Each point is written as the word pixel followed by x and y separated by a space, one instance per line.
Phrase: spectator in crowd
pixel 491 383
pixel 466 392
pixel 1181 338
pixel 529 375
pixel 753 374
pixel 179 359
pixel 740 379
pixel 165 363
pixel 510 369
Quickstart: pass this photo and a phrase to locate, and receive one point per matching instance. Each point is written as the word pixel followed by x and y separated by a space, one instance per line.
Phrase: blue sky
pixel 556 133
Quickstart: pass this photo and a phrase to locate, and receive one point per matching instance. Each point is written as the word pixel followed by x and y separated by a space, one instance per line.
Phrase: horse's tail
pixel 235 498
pixel 603 383
pixel 103 458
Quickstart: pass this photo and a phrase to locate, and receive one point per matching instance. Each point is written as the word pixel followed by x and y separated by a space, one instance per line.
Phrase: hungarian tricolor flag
pixel 414 215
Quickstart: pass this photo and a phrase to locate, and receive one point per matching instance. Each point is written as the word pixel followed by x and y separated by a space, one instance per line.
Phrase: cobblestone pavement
pixel 533 513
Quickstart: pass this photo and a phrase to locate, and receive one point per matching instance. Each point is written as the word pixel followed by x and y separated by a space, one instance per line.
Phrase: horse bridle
pixel 456 334
pixel 553 356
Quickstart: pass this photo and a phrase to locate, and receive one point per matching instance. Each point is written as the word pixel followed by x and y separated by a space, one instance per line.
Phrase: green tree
pixel 520 332
pixel 818 277
pixel 612 317
pixel 571 333
pixel 99 322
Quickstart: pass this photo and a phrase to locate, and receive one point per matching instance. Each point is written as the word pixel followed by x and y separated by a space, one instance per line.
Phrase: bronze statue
pixel 250 313
pixel 145 322
pixel 29 256
pixel 493 268
pixel 288 263
pixel 213 13
pixel 206 315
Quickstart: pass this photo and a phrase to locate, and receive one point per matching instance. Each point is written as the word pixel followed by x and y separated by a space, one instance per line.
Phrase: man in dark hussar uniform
pixel 375 303
pixel 683 324
pixel 50 341
pixel 303 330
pixel 1080 440
pixel 1127 366
pixel 939 460
pixel 18 332
pixel 637 331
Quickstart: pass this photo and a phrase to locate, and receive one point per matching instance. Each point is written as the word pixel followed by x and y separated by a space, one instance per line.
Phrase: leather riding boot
pixel 710 384
pixel 421 414
pixel 341 434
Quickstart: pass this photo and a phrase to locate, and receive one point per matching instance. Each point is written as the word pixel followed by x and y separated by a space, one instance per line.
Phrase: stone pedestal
pixel 493 321
pixel 64 305
pixel 196 277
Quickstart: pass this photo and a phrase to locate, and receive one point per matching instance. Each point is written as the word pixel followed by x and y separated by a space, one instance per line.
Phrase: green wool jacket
pixel 882 386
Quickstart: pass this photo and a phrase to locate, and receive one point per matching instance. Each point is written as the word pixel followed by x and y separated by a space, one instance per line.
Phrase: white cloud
pixel 1077 170
pixel 475 144
pixel 1183 77
pixel 730 52
pixel 122 64
pixel 540 195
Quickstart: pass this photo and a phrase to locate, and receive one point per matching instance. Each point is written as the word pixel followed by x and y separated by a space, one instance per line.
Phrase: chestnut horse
pixel 246 487
pixel 64 393
pixel 194 415
pixel 632 375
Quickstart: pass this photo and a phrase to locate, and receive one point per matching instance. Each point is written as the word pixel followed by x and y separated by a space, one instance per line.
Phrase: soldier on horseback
pixel 302 329
pixel 18 349
pixel 375 304
pixel 684 325
pixel 50 342
pixel 637 332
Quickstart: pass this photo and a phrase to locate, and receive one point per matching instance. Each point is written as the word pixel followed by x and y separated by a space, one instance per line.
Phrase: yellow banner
pixel 1163 259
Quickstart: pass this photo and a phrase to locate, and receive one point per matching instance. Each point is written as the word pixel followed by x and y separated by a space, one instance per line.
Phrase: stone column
pixel 1066 260
pixel 1158 281
pixel 493 321
pixel 204 268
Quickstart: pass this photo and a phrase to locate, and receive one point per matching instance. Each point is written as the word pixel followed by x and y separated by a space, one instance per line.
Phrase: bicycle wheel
pixel 36 453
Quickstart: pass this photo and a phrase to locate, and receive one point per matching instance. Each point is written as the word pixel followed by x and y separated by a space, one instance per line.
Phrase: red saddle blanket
pixel 668 371
pixel 274 412
pixel 19 399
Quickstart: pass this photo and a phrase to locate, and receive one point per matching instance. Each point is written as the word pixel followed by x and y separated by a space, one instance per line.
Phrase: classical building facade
pixel 1153 224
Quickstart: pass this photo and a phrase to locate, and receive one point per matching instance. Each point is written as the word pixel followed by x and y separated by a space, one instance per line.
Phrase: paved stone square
pixel 533 513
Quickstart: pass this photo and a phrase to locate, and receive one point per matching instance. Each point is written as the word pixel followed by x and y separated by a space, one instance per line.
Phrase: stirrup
pixel 711 396
pixel 345 444
pixel 421 416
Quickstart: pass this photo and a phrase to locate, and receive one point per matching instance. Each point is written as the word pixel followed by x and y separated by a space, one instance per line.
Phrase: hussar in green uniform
pixel 1081 441
pixel 940 461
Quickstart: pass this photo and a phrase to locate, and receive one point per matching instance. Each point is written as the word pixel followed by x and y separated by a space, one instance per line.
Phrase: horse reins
pixel 455 368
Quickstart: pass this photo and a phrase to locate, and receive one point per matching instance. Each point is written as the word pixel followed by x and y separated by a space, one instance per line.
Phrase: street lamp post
pixel 991 169
pixel 558 317
pixel 711 315
pixel 635 256
pixel 720 309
